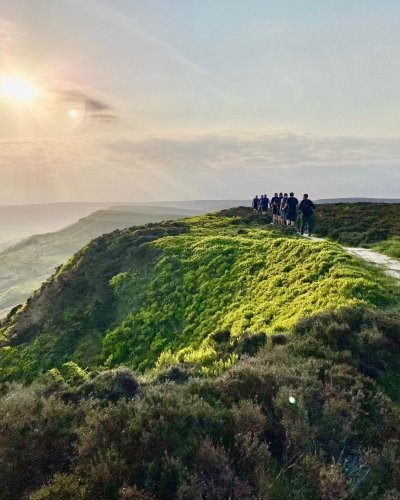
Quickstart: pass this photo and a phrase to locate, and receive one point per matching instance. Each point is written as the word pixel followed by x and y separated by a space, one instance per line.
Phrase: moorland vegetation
pixel 310 415
pixel 210 358
pixel 361 224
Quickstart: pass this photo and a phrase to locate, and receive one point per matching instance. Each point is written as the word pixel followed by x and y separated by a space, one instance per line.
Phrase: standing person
pixel 264 204
pixel 307 208
pixel 275 208
pixel 292 204
pixel 255 203
pixel 260 202
pixel 279 202
pixel 284 209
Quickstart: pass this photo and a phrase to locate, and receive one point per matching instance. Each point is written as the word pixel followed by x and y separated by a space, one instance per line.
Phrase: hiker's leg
pixel 302 224
pixel 310 224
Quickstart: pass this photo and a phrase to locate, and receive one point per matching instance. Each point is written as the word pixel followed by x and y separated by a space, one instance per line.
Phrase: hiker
pixel 291 215
pixel 264 204
pixel 275 208
pixel 260 202
pixel 256 201
pixel 306 208
pixel 279 203
pixel 284 209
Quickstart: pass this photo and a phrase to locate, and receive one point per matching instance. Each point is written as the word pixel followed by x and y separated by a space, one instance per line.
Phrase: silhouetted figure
pixel 284 209
pixel 291 203
pixel 256 201
pixel 279 218
pixel 275 208
pixel 307 208
pixel 260 202
pixel 264 203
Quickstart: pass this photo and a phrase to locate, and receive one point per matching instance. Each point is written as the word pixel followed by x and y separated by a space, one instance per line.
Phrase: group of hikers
pixel 285 208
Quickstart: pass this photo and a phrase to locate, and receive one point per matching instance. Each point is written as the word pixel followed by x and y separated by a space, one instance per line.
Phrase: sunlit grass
pixel 216 278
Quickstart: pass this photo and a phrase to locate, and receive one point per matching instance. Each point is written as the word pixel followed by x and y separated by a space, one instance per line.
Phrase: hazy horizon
pixel 126 202
pixel 198 100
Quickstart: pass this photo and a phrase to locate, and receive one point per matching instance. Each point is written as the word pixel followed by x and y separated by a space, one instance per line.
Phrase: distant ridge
pixel 358 200
pixel 27 263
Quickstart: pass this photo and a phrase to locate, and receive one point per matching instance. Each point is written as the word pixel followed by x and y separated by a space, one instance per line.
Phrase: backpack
pixel 307 208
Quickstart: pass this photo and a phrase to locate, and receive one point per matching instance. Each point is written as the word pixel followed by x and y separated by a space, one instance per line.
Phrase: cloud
pixel 68 95
pixel 255 151
pixel 233 166
pixel 87 100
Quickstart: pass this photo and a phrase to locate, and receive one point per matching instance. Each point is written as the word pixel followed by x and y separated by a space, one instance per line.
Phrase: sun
pixel 17 90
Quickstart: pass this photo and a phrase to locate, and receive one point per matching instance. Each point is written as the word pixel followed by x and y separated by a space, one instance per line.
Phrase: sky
pixel 132 100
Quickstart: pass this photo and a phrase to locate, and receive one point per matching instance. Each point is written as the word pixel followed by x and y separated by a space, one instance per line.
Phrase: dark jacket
pixel 307 207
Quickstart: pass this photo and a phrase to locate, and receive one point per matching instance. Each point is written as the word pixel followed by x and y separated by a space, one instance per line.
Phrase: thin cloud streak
pixel 125 22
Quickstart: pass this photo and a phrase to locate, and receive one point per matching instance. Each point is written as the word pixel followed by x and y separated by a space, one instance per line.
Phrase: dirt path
pixel 391 266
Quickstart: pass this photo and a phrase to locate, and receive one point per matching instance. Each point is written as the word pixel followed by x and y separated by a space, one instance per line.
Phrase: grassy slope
pixel 26 265
pixel 136 294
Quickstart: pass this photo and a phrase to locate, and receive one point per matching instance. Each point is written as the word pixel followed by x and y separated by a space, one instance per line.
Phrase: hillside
pixel 208 358
pixel 21 221
pixel 140 295
pixel 361 224
pixel 24 266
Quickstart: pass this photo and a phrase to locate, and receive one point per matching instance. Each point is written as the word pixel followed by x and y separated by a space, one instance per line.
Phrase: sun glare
pixel 17 90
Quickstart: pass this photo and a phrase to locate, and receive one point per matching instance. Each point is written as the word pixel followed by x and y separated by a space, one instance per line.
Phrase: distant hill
pixel 202 206
pixel 25 265
pixel 358 200
pixel 21 221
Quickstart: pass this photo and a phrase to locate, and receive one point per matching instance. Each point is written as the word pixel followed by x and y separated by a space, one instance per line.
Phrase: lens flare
pixel 17 90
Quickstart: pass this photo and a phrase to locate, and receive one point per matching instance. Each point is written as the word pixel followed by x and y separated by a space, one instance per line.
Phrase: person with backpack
pixel 291 215
pixel 256 201
pixel 306 208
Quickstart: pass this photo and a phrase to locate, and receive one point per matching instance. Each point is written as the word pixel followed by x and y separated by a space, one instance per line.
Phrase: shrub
pixel 72 373
pixel 111 385
pixel 35 441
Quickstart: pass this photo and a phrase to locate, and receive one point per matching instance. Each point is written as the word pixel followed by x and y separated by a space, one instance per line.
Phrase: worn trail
pixel 390 266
